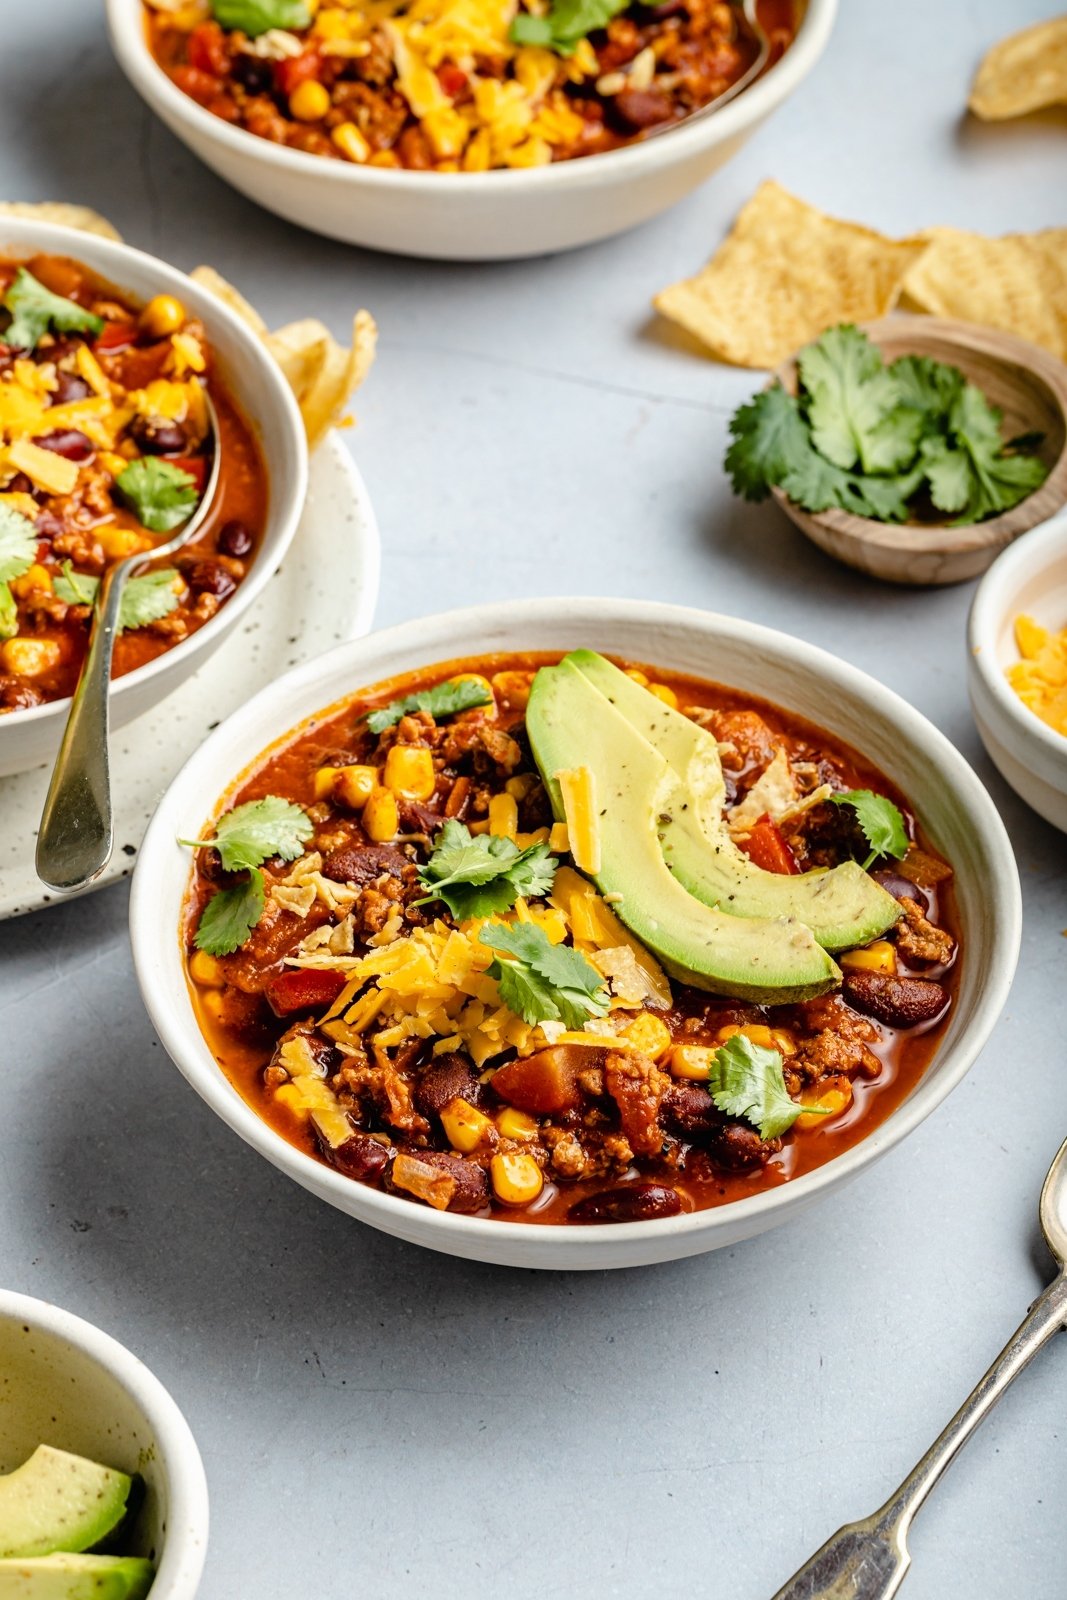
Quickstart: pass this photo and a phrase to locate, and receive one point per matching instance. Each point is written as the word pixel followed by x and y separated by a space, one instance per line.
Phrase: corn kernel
pixel 877 957
pixel 206 970
pixel 512 1124
pixel 691 1061
pixel 516 1177
pixel 351 143
pixel 559 839
pixel 354 786
pixel 35 580
pixel 309 101
pixel 30 658
pixel 503 816
pixel 758 1032
pixel 784 1041
pixel 465 1126
pixel 162 316
pixel 638 677
pixel 662 692
pixel 513 688
pixel 381 819
pixel 384 158
pixel 522 785
pixel 324 781
pixel 525 840
pixel 648 1034
pixel 112 462
pixel 118 542
pixel 409 772
pixel 214 1004
pixel 831 1102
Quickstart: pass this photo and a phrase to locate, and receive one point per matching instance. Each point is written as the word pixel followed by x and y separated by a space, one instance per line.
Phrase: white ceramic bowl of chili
pixel 1030 577
pixel 951 803
pixel 65 1383
pixel 30 737
pixel 469 216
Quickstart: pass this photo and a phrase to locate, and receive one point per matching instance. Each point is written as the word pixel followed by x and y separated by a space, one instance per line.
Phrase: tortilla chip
pixel 321 373
pixel 1022 73
pixel 785 273
pixel 1017 282
pixel 63 215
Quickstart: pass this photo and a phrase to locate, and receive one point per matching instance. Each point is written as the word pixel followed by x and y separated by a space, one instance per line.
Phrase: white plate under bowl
pixel 951 804
pixel 323 593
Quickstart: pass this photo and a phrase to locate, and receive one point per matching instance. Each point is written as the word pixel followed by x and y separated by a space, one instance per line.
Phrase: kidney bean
pixel 898 1002
pixel 66 442
pixel 156 437
pixel 417 818
pixel 360 1157
pixel 363 863
pixel 253 73
pixel 444 1079
pixel 642 108
pixel 900 888
pixel 734 1146
pixel 20 484
pixel 235 539
pixel 471 1191
pixel 690 1111
pixel 629 1202
pixel 208 577
pixel 69 386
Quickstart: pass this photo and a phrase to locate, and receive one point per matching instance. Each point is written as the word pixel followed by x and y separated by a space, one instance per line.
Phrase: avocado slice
pixel 775 961
pixel 57 1501
pixel 65 1576
pixel 843 907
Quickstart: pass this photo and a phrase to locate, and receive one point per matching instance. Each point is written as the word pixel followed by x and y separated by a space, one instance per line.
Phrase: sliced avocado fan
pixel 843 907
pixel 74 1577
pixel 572 725
pixel 58 1501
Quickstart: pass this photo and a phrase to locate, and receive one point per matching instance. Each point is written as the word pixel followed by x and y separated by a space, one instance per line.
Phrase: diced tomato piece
pixel 295 70
pixel 302 989
pixel 195 466
pixel 115 335
pixel 200 86
pixel 766 847
pixel 453 79
pixel 207 49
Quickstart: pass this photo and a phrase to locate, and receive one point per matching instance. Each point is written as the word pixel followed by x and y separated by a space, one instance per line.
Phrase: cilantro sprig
pixel 254 17
pixel 477 875
pixel 443 700
pixel 144 599
pixel 244 838
pixel 868 438
pixel 565 24
pixel 18 544
pixel 162 494
pixel 881 822
pixel 542 981
pixel 746 1080
pixel 34 309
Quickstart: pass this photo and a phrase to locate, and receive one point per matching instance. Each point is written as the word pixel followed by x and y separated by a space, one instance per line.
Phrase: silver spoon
pixel 749 12
pixel 868 1560
pixel 77 833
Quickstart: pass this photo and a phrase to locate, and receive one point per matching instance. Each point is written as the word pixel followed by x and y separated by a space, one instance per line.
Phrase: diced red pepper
pixel 115 336
pixel 207 49
pixel 302 989
pixel 295 70
pixel 767 848
pixel 195 466
pixel 200 86
pixel 453 79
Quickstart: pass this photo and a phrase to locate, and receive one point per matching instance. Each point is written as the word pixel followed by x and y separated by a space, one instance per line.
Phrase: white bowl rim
pixel 151 933
pixel 761 97
pixel 181 1559
pixel 1032 551
pixel 285 499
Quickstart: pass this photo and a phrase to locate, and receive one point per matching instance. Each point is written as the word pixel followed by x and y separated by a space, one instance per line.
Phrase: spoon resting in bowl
pixel 77 833
pixel 868 1560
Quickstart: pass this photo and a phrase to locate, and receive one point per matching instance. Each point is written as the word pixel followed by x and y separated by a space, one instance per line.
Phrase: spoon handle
pixel 76 835
pixel 867 1560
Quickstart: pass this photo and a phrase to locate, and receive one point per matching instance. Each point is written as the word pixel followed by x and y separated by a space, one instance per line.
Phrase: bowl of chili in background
pixel 257 508
pixel 460 215
pixel 952 809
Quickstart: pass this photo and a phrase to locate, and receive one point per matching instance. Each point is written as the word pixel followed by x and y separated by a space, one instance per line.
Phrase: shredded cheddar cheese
pixel 1040 677
pixel 578 790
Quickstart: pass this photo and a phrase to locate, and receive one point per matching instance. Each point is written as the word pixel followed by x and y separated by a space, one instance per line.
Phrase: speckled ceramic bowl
pixel 952 805
pixel 64 1383
pixel 29 738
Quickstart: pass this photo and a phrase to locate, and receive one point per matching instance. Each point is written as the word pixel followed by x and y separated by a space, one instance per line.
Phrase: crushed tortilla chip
pixel 1017 282
pixel 63 215
pixel 1024 72
pixel 785 273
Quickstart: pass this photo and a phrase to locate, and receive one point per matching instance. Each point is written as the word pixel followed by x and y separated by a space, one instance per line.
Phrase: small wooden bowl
pixel 1029 387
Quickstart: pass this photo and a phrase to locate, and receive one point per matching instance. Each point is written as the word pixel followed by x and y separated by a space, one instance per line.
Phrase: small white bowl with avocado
pixel 954 809
pixel 80 1417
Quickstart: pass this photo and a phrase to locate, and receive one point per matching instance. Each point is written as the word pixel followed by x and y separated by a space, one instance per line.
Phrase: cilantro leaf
pixel 9 613
pixel 443 700
pixel 162 495
pixel 746 1080
pixel 544 982
pixel 230 915
pixel 259 16
pixel 975 464
pixel 926 385
pixel 33 308
pixel 18 544
pixel 881 821
pixel 850 396
pixel 770 439
pixel 250 834
pixel 567 22
pixel 144 599
pixel 478 875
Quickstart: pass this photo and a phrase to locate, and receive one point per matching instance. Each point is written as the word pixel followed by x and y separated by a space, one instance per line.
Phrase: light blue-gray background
pixel 375 1419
